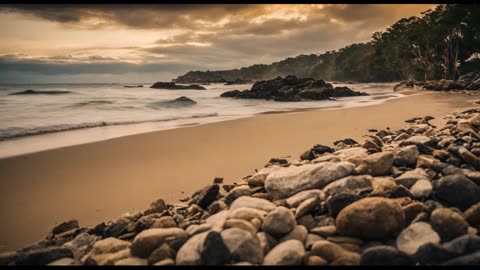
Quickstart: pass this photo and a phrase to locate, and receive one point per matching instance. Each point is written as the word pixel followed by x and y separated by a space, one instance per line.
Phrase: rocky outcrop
pixel 413 202
pixel 468 81
pixel 291 88
pixel 173 86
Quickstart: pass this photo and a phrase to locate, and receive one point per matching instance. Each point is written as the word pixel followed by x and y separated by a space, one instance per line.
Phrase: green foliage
pixel 441 43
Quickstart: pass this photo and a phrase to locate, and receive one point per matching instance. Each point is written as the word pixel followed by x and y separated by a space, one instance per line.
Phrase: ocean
pixel 70 114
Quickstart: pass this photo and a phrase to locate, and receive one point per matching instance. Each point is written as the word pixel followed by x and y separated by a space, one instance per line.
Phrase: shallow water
pixel 94 112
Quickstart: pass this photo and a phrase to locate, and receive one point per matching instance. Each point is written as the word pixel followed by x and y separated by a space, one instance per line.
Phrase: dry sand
pixel 99 181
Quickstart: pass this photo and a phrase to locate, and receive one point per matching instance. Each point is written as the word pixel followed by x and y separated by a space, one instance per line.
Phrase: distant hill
pixel 440 44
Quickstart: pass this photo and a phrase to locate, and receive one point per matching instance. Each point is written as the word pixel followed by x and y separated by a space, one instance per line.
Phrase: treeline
pixel 441 43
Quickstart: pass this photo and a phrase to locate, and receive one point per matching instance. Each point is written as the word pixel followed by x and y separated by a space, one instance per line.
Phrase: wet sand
pixel 99 181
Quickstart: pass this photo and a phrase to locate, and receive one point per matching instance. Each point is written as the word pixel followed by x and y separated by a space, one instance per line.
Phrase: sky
pixel 148 43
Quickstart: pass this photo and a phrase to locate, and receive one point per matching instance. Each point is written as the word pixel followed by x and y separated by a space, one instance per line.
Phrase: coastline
pixel 99 181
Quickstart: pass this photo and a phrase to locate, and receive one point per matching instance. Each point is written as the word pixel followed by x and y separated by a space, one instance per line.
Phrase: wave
pixel 16 132
pixel 176 103
pixel 91 102
pixel 40 92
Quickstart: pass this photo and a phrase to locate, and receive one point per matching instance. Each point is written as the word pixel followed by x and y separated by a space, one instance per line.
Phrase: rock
pixel 311 239
pixel 448 224
pixel 164 222
pixel 267 242
pixel 290 252
pixel 217 206
pixel 421 189
pixel 416 235
pixel 214 251
pixel 409 178
pixel 243 246
pixel 469 158
pixel 431 254
pixel 345 240
pixel 195 228
pixel 307 221
pixel 189 253
pixel 325 231
pixel 339 201
pixel 371 145
pixel 216 221
pixel 471 259
pixel 385 255
pixel 7 257
pixel 334 253
pixel 315 260
pixel 258 179
pixel 371 218
pixel 457 190
pixel 157 206
pixel 207 196
pixel 463 245
pixel 173 86
pixel 232 93
pixel 295 200
pixel 472 215
pixel 161 253
pixel 238 192
pixel 241 224
pixel 377 164
pixel 165 262
pixel 354 155
pixel 42 256
pixel 147 241
pixel 298 233
pixel 65 226
pixel 285 182
pixel 400 192
pixel 246 201
pixel 64 261
pixel 108 251
pixel 247 213
pixel 306 207
pixel 81 244
pixel 351 184
pixel 382 186
pixel 279 222
pixel 412 210
pixel 132 261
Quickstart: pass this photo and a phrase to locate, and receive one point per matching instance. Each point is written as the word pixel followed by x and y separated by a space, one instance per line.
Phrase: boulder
pixel 416 235
pixel 173 86
pixel 351 184
pixel 448 223
pixel 290 252
pixel 457 190
pixel 377 164
pixel 279 222
pixel 385 255
pixel 243 246
pixel 147 241
pixel 472 215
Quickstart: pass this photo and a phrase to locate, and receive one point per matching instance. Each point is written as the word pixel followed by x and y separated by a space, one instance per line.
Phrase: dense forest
pixel 440 44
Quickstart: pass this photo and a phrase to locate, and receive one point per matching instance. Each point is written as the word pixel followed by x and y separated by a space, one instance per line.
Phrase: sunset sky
pixel 127 43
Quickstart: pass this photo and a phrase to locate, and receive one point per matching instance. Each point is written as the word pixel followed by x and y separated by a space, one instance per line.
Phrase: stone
pixel 108 251
pixel 307 220
pixel 285 182
pixel 457 190
pixel 325 231
pixel 377 164
pixel 196 228
pixel 298 233
pixel 217 206
pixel 315 260
pixel 345 240
pixel 332 252
pixel 161 253
pixel 147 241
pixel 382 186
pixel 295 200
pixel 422 189
pixel 189 253
pixel 371 218
pixel 65 226
pixel 64 261
pixel 241 224
pixel 354 155
pixel 279 222
pixel 412 210
pixel 351 184
pixel 165 262
pixel 157 206
pixel 7 257
pixel 207 196
pixel 246 201
pixel 243 246
pixel 237 192
pixel 385 255
pixel 306 207
pixel 464 244
pixel 81 244
pixel 132 261
pixel 448 224
pixel 400 192
pixel 311 239
pixel 258 179
pixel 214 251
pixel 409 178
pixel 290 252
pixel 416 235
pixel 472 215
pixel 469 158
pixel 471 259
pixel 217 220
pixel 164 222
pixel 406 156
pixel 42 256
pixel 431 254
pixel 267 242
pixel 247 213
pixel 339 201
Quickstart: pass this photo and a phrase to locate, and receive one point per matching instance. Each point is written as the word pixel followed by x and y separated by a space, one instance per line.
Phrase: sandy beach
pixel 99 181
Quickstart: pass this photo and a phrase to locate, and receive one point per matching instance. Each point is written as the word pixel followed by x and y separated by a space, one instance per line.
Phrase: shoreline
pixel 101 180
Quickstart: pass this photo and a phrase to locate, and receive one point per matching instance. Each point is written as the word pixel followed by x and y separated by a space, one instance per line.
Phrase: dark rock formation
pixel 173 86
